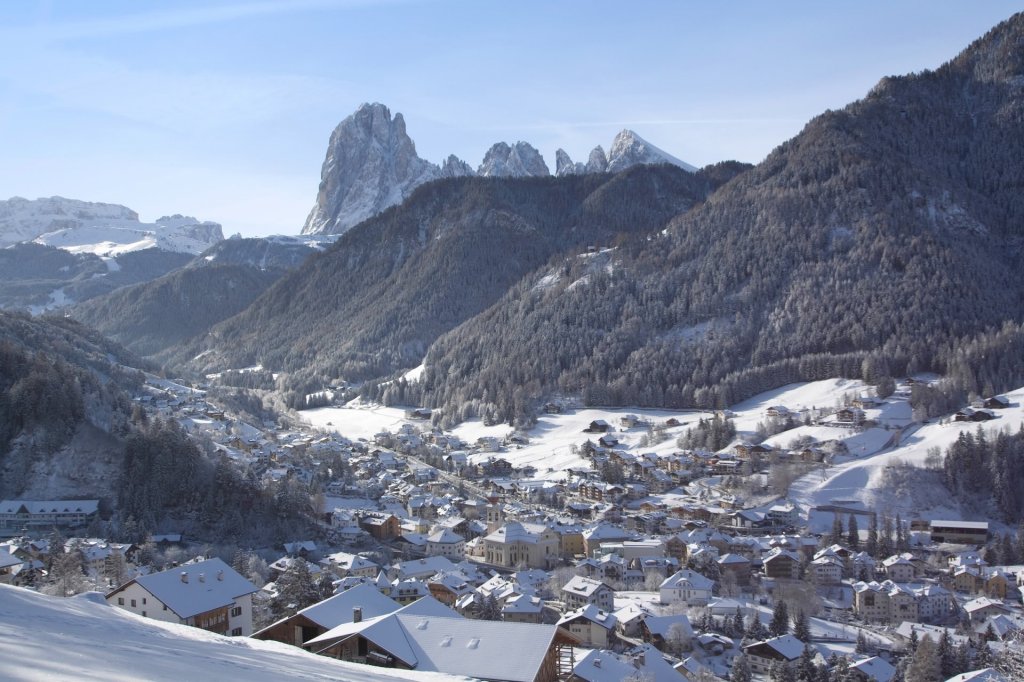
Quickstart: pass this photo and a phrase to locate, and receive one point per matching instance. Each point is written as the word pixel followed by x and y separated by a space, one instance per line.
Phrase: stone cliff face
pixel 517 161
pixel 371 164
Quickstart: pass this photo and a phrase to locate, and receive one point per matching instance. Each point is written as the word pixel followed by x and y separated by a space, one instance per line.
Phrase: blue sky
pixel 223 110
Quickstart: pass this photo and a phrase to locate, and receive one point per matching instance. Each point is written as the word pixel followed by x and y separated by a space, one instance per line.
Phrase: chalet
pixel 899 568
pixel 779 411
pixel 735 566
pixel 343 564
pixel 996 402
pixel 827 570
pixel 850 415
pixel 674 631
pixel 628 421
pixel 421 413
pixel 428 636
pixel 745 451
pixel 581 591
pixel 552 408
pixel 969 414
pixel 608 441
pixel 786 649
pixel 445 542
pixel 781 563
pixel 872 669
pixel 982 608
pixel 383 527
pixel 209 595
pixel 522 608
pixel 598 426
pixel 592 626
pixel 357 603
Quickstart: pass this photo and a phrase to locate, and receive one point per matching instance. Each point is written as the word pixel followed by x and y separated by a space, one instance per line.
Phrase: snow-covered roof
pixel 583 586
pixel 786 645
pixel 449 643
pixel 690 577
pixel 603 666
pixel 50 506
pixel 592 613
pixel 338 609
pixel 192 589
pixel 875 668
pixel 426 607
pixel 426 566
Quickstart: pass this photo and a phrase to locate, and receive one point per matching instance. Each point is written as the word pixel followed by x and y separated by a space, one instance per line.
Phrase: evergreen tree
pixel 806 671
pixel 801 627
pixel 885 540
pixel 871 546
pixel 780 619
pixel 836 536
pixel 862 642
pixel 852 533
pixel 947 655
pixel 740 669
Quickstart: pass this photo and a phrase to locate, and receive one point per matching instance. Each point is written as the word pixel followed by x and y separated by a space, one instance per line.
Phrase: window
pixel 143 601
pixel 133 603
pixel 165 607
pixel 143 614
pixel 237 632
pixel 120 601
pixel 237 611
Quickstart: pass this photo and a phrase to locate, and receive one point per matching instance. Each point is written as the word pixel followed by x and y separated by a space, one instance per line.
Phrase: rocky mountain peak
pixel 629 149
pixel 516 161
pixel 454 167
pixel 371 164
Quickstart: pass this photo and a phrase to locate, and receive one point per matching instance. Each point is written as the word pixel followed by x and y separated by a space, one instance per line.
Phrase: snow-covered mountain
pixel 628 149
pixel 105 230
pixel 371 165
pixel 56 251
pixel 517 161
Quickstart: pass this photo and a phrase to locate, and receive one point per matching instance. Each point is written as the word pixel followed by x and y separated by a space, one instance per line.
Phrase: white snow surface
pixel 106 230
pixel 861 479
pixel 82 638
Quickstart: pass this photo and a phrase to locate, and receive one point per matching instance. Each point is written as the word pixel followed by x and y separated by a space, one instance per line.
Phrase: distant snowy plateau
pixel 105 230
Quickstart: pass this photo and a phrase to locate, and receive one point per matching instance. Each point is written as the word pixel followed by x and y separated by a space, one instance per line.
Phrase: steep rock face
pixel 371 164
pixel 598 162
pixel 629 149
pixel 518 161
pixel 565 166
pixel 454 167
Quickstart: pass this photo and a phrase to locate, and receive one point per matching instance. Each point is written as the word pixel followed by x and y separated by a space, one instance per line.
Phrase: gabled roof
pixel 584 587
pixel 49 506
pixel 425 641
pixel 603 666
pixel 192 589
pixel 338 609
pixel 425 606
pixel 693 578
pixel 593 614
pixel 786 646
pixel 875 668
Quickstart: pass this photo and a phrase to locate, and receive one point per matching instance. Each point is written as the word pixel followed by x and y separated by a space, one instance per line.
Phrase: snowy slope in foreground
pixel 81 638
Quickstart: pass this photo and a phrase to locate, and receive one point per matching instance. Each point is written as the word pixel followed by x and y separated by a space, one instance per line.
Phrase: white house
pixel 581 591
pixel 446 542
pixel 686 586
pixel 209 595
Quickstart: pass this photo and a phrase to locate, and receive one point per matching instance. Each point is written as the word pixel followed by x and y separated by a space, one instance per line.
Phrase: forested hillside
pixel 68 428
pixel 878 241
pixel 375 301
pixel 156 315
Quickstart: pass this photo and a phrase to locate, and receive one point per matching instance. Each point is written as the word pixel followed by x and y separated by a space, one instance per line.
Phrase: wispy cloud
pixel 146 22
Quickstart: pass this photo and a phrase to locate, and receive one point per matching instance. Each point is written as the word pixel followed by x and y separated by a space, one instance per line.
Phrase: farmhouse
pixel 209 595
